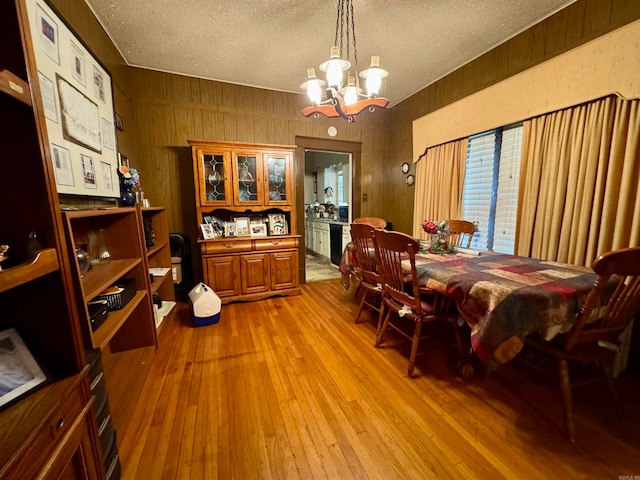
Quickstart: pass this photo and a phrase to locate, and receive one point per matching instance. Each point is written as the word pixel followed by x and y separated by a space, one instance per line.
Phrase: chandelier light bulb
pixel 351 92
pixel 313 86
pixel 374 75
pixel 334 68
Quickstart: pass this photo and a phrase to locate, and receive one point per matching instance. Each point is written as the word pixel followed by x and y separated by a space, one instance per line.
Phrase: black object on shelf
pixel 117 301
pixel 181 264
pixel 98 313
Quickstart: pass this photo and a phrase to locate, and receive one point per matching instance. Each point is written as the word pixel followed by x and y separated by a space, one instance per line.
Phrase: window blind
pixel 508 183
pixel 478 181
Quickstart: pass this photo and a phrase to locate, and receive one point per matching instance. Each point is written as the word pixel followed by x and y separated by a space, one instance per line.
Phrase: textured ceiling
pixel 270 44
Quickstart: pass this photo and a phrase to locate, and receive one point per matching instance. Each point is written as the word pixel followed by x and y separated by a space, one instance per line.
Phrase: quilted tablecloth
pixel 505 297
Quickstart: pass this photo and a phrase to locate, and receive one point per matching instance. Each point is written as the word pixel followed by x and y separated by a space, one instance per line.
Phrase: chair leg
pixel 380 315
pixel 608 376
pixel 362 301
pixel 414 347
pixel 565 388
pixel 384 329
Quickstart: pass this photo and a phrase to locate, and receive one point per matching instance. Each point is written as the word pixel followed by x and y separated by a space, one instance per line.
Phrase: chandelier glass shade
pixel 340 100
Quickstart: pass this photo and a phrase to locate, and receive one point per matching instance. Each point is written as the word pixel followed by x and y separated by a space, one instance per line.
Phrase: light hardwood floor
pixel 292 388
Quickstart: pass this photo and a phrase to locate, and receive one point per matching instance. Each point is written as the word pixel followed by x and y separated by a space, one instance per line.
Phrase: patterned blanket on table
pixel 505 297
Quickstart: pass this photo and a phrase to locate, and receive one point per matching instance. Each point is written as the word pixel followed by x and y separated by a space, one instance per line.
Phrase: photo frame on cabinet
pixel 207 231
pixel 242 226
pixel 19 371
pixel 77 95
pixel 258 229
pixel 229 229
pixel 278 224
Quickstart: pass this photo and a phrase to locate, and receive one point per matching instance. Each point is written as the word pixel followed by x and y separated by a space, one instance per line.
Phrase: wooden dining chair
pixel 461 232
pixel 363 240
pixel 593 338
pixel 375 222
pixel 405 301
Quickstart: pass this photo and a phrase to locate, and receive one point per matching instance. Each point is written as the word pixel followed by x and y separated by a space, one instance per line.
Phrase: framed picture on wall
pixel 77 96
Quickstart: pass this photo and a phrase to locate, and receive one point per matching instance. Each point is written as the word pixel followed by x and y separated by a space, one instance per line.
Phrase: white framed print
pixel 77 96
pixel 242 226
pixel 258 229
pixel 19 371
pixel 207 231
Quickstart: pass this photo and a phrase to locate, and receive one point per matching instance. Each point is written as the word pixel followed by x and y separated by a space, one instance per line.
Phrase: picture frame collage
pixel 253 226
pixel 77 99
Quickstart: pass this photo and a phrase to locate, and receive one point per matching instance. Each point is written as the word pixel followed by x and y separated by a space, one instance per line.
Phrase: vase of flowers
pixel 129 178
pixel 439 233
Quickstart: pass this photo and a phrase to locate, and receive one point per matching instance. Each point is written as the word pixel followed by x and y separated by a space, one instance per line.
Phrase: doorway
pixel 333 153
pixel 327 197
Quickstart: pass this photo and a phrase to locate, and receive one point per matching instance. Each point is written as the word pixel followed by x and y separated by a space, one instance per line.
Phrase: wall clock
pixel 405 167
pixel 410 180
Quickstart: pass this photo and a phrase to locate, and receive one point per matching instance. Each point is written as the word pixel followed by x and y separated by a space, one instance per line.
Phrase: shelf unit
pixel 159 256
pixel 50 431
pixel 132 326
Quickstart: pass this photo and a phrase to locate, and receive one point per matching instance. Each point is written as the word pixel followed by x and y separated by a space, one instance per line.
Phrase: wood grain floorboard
pixel 292 388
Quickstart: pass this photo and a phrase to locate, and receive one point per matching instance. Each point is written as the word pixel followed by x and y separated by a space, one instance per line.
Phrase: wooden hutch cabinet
pixel 51 432
pixel 255 182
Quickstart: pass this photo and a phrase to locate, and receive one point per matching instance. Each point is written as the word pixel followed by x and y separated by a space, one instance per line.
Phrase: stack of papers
pixel 159 272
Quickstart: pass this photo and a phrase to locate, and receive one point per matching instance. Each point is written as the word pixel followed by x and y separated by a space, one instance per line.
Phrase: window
pixel 341 199
pixel 490 196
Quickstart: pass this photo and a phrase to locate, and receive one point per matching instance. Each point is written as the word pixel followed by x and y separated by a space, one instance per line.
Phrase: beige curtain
pixel 579 182
pixel 439 183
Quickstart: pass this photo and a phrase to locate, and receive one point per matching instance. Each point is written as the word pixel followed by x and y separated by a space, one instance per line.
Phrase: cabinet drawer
pixel 226 246
pixel 57 424
pixel 271 243
pixel 323 227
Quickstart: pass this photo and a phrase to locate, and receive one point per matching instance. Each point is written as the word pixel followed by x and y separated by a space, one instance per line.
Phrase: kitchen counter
pixel 326 220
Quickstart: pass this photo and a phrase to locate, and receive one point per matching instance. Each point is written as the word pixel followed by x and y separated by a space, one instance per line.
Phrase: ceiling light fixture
pixel 348 101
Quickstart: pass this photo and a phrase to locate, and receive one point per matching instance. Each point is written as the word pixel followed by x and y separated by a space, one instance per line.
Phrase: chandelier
pixel 340 100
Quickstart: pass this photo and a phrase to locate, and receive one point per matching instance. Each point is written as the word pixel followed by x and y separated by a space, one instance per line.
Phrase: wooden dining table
pixel 504 298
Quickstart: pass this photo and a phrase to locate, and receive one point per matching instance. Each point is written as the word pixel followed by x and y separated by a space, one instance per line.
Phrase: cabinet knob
pixel 59 423
pixel 275 242
pixel 226 245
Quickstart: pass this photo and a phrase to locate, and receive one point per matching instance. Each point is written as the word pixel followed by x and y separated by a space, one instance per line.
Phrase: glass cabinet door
pixel 215 180
pixel 277 179
pixel 247 186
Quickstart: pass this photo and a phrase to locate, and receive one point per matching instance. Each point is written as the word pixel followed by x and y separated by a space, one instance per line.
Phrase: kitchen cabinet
pixel 48 429
pixel 251 181
pixel 346 236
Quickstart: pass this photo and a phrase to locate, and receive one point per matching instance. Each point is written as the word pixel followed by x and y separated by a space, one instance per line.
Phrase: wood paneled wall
pixel 162 111
pixel 573 26
pixel 171 109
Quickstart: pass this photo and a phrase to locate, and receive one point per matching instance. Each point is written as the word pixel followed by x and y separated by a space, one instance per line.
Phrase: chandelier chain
pixel 353 32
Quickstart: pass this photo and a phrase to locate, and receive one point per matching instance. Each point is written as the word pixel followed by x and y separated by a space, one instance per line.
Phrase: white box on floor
pixel 205 305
